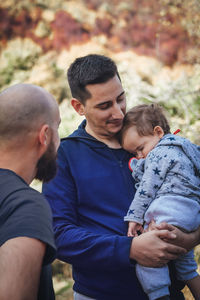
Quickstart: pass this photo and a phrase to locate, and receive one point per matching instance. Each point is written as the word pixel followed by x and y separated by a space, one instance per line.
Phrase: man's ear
pixel 78 106
pixel 44 136
pixel 158 131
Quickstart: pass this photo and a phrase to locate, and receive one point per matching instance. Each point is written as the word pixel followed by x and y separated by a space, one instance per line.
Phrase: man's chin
pixel 114 130
pixel 115 126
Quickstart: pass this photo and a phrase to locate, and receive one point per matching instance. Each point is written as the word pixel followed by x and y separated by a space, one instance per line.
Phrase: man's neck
pixel 18 164
pixel 110 141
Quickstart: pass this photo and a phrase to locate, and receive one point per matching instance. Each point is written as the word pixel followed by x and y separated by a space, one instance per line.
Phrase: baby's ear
pixel 158 131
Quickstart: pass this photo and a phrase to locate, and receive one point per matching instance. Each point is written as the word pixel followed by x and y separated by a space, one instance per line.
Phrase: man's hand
pixel 183 239
pixel 150 250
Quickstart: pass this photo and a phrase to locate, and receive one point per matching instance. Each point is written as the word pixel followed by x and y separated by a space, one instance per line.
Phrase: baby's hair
pixel 145 118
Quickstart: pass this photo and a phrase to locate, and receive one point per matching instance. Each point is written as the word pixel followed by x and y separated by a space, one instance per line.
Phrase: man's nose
pixel 117 112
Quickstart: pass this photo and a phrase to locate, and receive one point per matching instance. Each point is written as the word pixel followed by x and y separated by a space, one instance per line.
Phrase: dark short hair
pixel 90 69
pixel 145 118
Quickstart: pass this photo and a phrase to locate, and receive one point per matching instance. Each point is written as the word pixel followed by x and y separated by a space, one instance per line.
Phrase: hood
pixel 191 150
pixel 81 134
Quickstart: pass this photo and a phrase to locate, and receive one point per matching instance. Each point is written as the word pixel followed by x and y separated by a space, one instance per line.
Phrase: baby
pixel 167 176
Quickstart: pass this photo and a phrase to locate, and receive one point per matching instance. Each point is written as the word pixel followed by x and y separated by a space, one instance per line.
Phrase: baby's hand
pixel 133 228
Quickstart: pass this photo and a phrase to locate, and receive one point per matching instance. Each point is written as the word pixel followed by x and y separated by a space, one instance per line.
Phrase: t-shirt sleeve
pixel 26 213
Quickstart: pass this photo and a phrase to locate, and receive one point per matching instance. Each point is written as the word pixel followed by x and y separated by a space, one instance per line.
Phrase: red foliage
pixel 93 4
pixel 20 25
pixel 102 26
pixel 67 31
pixel 5 28
pixel 141 27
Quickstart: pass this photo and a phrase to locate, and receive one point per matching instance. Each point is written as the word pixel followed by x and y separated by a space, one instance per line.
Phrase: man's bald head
pixel 23 109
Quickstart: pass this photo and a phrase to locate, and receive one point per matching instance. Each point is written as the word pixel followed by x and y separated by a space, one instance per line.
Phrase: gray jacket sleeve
pixel 155 169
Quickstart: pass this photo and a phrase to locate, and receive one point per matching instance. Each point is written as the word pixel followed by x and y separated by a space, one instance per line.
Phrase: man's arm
pixel 20 266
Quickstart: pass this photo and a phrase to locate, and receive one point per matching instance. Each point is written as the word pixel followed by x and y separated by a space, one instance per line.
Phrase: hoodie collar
pixel 81 133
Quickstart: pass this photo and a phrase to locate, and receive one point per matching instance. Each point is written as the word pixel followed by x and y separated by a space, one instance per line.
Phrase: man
pixel 93 189
pixel 29 120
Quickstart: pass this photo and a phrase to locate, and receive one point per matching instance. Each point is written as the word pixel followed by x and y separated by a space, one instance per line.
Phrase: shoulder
pixel 32 202
pixel 18 200
pixel 14 188
pixel 168 144
pixel 24 212
pixel 25 203
pixel 161 153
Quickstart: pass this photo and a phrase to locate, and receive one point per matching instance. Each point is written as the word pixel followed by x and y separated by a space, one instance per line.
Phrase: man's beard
pixel 46 166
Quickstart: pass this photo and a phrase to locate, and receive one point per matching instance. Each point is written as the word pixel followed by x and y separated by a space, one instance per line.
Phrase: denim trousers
pixel 78 296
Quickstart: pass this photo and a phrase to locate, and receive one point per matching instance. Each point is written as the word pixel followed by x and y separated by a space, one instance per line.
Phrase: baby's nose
pixel 139 155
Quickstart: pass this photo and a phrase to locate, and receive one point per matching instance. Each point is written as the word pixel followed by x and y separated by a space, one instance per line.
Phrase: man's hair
pixel 145 117
pixel 90 69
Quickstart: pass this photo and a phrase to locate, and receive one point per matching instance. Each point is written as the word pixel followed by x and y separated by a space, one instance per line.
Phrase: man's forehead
pixel 106 91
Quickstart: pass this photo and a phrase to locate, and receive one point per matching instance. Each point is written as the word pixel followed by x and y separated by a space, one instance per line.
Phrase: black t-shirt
pixel 25 212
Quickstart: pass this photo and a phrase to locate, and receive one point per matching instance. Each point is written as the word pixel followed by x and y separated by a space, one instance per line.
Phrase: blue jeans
pixel 78 296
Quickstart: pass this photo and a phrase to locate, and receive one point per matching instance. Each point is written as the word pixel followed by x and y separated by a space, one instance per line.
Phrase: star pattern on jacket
pixel 156 171
pixel 131 211
pixel 171 139
pixel 142 192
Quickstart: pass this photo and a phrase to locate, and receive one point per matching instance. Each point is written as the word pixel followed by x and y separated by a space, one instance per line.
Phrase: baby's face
pixel 137 144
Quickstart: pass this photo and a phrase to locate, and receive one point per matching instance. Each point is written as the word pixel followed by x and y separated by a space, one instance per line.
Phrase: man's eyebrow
pixel 102 103
pixel 105 102
pixel 122 93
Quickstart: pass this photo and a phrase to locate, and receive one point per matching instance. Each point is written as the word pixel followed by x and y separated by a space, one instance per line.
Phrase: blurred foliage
pixel 167 30
pixel 16 60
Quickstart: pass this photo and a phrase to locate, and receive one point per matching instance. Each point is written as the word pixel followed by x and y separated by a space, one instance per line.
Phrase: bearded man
pixel 29 121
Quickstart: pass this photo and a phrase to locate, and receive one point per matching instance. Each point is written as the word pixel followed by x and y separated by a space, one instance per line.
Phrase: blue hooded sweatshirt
pixel 89 196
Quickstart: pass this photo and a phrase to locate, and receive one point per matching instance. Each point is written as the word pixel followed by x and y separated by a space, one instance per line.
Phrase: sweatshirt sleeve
pixel 75 244
pixel 155 170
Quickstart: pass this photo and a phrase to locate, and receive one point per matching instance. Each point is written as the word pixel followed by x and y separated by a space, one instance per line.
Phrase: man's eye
pixel 104 106
pixel 120 100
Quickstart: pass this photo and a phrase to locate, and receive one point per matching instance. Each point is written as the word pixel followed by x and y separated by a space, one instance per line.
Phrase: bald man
pixel 29 121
